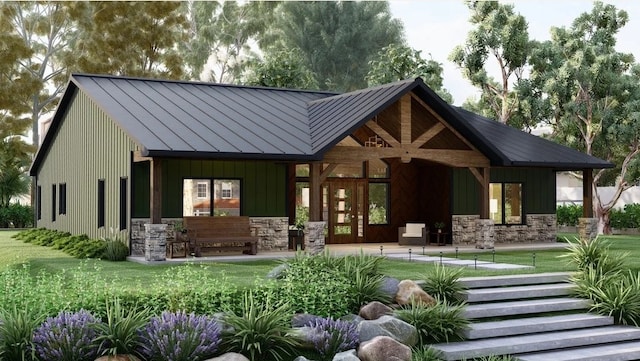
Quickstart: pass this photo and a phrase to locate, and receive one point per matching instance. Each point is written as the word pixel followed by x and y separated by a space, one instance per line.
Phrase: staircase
pixel 533 318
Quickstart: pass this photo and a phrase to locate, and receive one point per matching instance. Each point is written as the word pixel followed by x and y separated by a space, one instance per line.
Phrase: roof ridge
pixel 203 83
pixel 365 90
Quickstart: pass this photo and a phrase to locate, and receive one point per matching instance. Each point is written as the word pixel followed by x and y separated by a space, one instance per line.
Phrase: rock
pixel 231 356
pixel 303 319
pixel 388 326
pixel 383 348
pixel 278 272
pixel 408 290
pixel 389 286
pixel 349 355
pixel 374 310
pixel 301 358
pixel 306 335
pixel 355 319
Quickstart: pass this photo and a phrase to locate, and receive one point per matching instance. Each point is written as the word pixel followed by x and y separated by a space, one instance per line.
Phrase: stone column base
pixel 314 237
pixel 485 234
pixel 587 228
pixel 155 242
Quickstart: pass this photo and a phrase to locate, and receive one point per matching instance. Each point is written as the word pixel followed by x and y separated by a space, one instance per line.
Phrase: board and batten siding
pixel 88 147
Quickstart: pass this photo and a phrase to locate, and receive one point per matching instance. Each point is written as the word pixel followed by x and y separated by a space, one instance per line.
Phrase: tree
pixel 502 34
pixel 128 38
pixel 593 93
pixel 397 62
pixel 221 35
pixel 282 69
pixel 337 39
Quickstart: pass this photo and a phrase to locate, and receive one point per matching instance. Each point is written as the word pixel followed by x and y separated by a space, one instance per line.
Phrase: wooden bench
pixel 228 233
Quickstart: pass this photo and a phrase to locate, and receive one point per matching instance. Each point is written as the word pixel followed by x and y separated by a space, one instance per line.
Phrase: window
pixel 378 203
pixel 62 206
pixel 123 203
pixel 206 197
pixel 39 201
pixel 505 203
pixel 101 204
pixel 53 203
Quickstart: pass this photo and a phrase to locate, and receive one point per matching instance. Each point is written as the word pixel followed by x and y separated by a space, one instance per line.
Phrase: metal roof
pixel 206 120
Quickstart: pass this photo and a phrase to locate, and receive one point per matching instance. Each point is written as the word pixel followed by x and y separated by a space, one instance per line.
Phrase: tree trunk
pixel 604 222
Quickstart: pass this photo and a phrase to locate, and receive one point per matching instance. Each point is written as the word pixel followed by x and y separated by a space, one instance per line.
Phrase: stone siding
pixel 539 228
pixel 314 238
pixel 273 232
pixel 587 228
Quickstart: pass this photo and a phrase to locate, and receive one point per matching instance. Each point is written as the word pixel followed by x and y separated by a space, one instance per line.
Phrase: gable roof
pixel 206 120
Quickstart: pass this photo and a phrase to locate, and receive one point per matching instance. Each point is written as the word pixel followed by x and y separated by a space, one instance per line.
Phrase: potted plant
pixel 439 226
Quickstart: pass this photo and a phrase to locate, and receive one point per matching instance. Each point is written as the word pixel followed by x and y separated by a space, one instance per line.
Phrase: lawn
pixel 244 274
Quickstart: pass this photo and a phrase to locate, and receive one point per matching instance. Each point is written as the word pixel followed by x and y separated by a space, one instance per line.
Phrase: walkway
pixel 390 250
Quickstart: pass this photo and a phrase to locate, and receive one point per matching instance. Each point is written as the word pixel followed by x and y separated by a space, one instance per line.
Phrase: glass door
pixel 346 211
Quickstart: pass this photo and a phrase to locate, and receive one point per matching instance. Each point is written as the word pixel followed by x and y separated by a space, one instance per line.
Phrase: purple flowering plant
pixel 178 336
pixel 67 337
pixel 333 336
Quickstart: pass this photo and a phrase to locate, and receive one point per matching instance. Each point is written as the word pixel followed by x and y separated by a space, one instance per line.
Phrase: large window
pixel 206 197
pixel 505 203
pixel 62 206
pixel 378 203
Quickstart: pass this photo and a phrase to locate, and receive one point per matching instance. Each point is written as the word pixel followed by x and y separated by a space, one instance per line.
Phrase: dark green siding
pixel 263 185
pixel 539 189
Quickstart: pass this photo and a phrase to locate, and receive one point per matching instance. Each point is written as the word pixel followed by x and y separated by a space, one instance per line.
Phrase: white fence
pixel 573 195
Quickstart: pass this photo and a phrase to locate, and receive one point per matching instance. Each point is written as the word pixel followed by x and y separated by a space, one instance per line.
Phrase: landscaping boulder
pixel 306 335
pixel 383 348
pixel 278 272
pixel 231 356
pixel 355 319
pixel 303 319
pixel 301 358
pixel 349 355
pixel 374 310
pixel 388 326
pixel 409 290
pixel 389 286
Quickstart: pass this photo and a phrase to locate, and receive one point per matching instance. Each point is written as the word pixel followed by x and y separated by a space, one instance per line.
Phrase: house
pixel 123 152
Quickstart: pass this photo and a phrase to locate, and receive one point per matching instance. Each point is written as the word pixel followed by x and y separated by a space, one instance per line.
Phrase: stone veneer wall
pixel 273 232
pixel 539 228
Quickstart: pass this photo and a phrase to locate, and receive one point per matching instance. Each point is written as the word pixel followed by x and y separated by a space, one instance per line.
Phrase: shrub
pixel 16 333
pixel 438 323
pixel 180 337
pixel 568 215
pixel 120 333
pixel 425 353
pixel 367 288
pixel 260 331
pixel 115 250
pixel 67 337
pixel 619 298
pixel 594 254
pixel 442 283
pixel 16 215
pixel 333 336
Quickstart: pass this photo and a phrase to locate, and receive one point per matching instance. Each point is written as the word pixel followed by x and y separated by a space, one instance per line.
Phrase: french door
pixel 346 210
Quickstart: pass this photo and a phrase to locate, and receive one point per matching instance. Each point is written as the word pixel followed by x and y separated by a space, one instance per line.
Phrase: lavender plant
pixel 178 336
pixel 333 336
pixel 67 337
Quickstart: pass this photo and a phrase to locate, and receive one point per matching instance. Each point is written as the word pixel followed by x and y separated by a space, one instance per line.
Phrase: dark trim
pixel 124 216
pixel 101 203
pixel 39 201
pixel 53 203
pixel 62 195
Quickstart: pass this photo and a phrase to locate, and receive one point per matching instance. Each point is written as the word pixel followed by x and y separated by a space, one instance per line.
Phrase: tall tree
pixel 337 39
pixel 502 34
pixel 281 69
pixel 46 29
pixel 128 38
pixel 397 62
pixel 593 93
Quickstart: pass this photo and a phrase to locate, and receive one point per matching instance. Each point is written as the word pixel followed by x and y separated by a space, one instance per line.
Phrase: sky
pixel 436 26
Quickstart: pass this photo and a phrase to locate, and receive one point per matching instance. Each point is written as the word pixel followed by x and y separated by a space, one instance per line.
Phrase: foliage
pixel 260 331
pixel 435 324
pixel 618 296
pixel 78 246
pixel 568 215
pixel 282 69
pixel 499 32
pixel 119 334
pixel 333 336
pixel 442 283
pixel 367 288
pixel 397 62
pixel 336 39
pixel 594 254
pixel 16 333
pixel 179 336
pixel 67 337
pixel 115 250
pixel 629 217
pixel 425 353
pixel 16 215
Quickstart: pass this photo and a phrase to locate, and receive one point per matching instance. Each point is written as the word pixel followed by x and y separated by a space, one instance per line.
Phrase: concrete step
pixel 530 325
pixel 516 292
pixel 515 280
pixel 611 352
pixel 497 309
pixel 537 342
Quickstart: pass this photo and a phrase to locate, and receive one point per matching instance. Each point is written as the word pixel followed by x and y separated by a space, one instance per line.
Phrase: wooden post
pixel 315 192
pixel 155 196
pixel 587 193
pixel 484 194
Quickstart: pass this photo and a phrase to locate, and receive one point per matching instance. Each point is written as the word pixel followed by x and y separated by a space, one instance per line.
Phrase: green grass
pixel 243 274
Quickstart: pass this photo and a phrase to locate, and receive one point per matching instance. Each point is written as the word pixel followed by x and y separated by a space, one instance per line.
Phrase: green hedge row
pixel 16 216
pixel 629 217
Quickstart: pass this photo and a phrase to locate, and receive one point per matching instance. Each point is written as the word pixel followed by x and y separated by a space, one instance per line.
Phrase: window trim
pixel 523 218
pixel 53 202
pixel 124 216
pixel 39 201
pixel 62 201
pixel 101 203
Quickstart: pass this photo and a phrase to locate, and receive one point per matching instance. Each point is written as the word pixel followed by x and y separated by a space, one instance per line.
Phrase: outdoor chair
pixel 414 234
